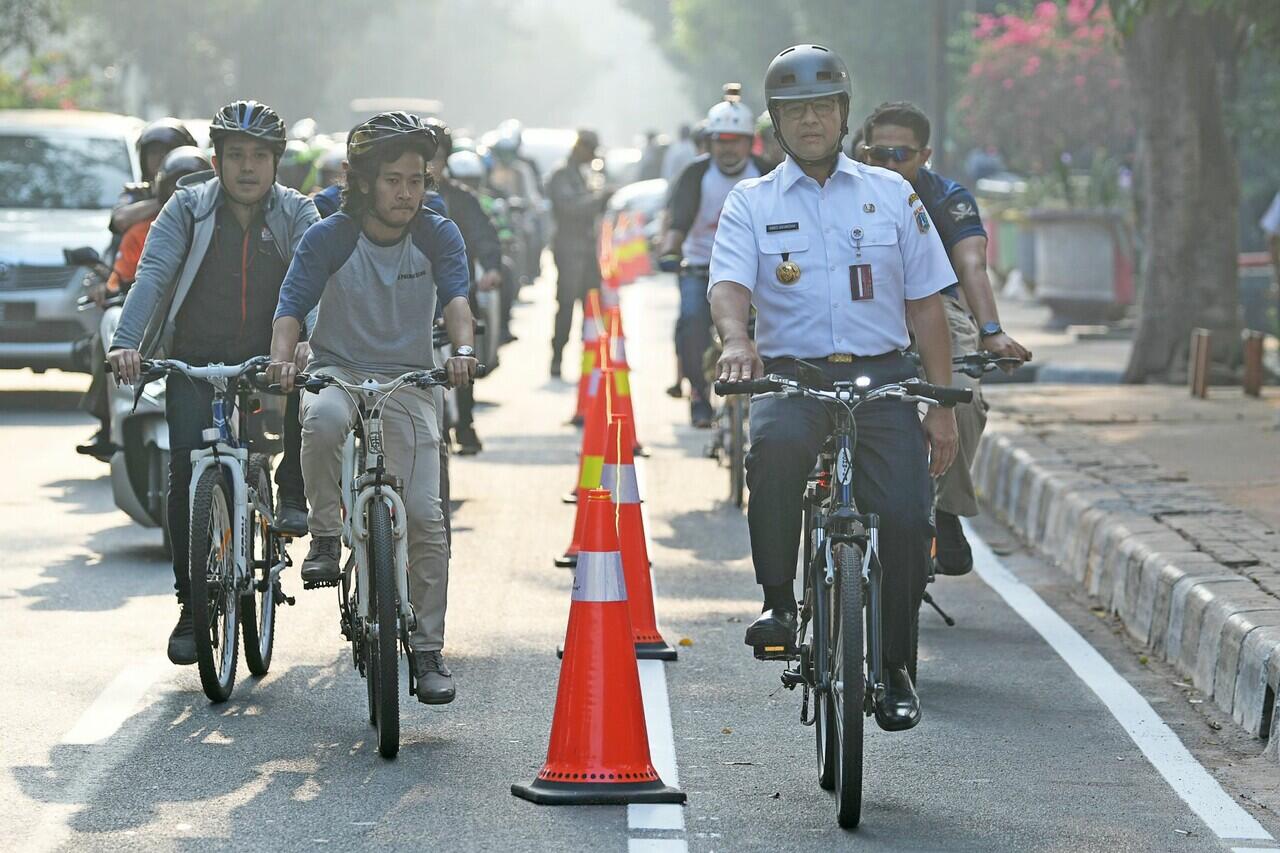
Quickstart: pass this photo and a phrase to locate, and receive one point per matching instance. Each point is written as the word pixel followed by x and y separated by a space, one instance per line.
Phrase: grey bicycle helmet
pixel 804 72
pixel 385 128
pixel 252 119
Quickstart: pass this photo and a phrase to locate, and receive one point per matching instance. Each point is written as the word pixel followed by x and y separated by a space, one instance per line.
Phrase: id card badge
pixel 861 286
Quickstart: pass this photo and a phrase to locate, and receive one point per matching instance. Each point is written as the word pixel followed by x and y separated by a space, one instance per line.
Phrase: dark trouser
pixel 891 478
pixel 466 408
pixel 578 271
pixel 289 473
pixel 693 331
pixel 97 400
pixel 187 411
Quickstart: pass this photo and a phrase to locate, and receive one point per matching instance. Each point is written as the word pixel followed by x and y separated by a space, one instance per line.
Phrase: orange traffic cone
pixel 616 345
pixel 591 330
pixel 590 462
pixel 599 747
pixel 619 477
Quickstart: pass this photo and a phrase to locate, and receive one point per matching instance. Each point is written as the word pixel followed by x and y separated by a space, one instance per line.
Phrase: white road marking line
pixel 657 845
pixel 661 816
pixel 117 703
pixel 1254 849
pixel 1197 788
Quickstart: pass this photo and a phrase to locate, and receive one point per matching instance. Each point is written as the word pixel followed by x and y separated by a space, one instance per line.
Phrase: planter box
pixel 1080 274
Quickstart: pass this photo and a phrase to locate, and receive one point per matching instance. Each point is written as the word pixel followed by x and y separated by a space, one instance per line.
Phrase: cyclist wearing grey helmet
pixel 205 292
pixel 839 260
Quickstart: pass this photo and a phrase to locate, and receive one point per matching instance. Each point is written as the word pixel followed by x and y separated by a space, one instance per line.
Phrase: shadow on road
pixel 114 566
pixel 39 400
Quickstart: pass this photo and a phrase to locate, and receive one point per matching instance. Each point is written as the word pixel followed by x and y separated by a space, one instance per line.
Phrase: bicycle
pixel 375 614
pixel 838 653
pixel 236 554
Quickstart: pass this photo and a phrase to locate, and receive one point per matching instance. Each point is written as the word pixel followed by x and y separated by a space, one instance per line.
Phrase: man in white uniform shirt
pixel 840 260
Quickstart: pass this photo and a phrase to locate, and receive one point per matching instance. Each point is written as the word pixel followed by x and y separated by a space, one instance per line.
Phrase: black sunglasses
pixel 885 153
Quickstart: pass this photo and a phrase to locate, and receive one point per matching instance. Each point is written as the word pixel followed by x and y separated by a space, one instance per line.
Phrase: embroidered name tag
pixel 782 226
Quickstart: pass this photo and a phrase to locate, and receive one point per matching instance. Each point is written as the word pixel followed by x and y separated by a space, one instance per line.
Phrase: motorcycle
pixel 140 465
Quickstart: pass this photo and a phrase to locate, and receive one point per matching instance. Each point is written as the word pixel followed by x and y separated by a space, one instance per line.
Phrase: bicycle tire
pixel 824 733
pixel 214 598
pixel 848 681
pixel 258 604
pixel 384 649
pixel 737 450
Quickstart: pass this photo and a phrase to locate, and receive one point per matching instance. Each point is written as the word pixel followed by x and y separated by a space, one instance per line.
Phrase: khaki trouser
pixel 955 488
pixel 411 435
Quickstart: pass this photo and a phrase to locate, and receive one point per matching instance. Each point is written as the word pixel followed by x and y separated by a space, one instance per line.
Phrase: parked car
pixel 61 172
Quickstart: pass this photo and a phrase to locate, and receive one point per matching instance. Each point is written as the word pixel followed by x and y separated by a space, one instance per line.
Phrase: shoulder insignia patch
pixel 912 199
pixel 962 210
pixel 922 220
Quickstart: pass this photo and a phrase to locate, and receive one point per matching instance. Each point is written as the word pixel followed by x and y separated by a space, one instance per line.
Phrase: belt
pixel 850 358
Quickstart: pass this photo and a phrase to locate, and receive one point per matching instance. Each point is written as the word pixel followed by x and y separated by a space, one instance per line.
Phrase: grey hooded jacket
pixel 175 248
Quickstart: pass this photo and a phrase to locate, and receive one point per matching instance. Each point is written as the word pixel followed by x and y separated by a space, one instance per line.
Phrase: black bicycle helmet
pixel 251 119
pixel 169 132
pixel 804 72
pixel 444 136
pixel 178 163
pixel 384 128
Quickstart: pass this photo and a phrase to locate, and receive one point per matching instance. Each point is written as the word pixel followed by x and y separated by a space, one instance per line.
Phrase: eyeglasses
pixel 885 153
pixel 795 110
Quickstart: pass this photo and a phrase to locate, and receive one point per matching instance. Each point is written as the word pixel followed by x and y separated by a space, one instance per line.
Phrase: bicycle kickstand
pixel 928 599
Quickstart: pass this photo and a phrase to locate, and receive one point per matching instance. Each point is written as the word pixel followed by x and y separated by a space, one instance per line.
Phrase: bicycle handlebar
pixel 315 382
pixel 909 390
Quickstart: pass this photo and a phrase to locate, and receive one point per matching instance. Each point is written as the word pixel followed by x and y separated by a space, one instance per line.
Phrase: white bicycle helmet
pixel 731 118
pixel 466 166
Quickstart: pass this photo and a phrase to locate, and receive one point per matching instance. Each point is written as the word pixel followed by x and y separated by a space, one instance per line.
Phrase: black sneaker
pixel 182 642
pixel 99 447
pixel 434 680
pixel 321 564
pixel 701 414
pixel 954 557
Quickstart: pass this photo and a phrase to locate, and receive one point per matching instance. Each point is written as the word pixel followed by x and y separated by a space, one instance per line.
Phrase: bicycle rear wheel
pixel 849 684
pixel 383 670
pixel 215 600
pixel 258 604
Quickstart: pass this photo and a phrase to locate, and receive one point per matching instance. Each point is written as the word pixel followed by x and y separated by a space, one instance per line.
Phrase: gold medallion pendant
pixel 788 272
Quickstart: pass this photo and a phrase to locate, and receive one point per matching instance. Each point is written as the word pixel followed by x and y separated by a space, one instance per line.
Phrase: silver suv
pixel 61 172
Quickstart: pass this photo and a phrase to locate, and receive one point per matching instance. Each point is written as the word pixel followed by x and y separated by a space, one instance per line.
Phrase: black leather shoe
pixel 773 628
pixel 955 557
pixel 291 516
pixel 899 710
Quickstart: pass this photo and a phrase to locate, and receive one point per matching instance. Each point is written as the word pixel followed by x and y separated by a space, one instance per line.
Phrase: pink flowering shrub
pixel 1045 84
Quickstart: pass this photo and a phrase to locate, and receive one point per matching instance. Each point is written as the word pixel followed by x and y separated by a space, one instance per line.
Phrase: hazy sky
pixel 557 63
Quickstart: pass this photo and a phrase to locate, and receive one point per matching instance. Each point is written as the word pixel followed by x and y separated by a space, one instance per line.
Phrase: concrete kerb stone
pixel 1218 627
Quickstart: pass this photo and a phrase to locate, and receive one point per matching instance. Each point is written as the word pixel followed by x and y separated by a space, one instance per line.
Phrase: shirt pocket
pixel 777 249
pixel 877 245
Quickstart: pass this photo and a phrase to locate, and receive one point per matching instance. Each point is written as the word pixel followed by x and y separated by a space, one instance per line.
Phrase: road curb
pixel 1219 628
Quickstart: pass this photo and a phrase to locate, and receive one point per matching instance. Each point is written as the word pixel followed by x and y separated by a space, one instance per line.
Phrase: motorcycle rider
pixel 483 248
pixel 468 168
pixel 693 212
pixel 206 290
pixel 137 204
pixel 375 269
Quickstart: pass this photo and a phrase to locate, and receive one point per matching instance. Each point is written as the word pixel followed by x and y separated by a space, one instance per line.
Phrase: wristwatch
pixel 989 329
pixel 465 351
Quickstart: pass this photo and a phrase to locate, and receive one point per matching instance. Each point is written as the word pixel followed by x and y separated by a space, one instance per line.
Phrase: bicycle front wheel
pixel 215 600
pixel 258 604
pixel 382 647
pixel 848 681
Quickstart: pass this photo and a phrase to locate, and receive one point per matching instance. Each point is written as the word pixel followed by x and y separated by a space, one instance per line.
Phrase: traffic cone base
pixel 585 792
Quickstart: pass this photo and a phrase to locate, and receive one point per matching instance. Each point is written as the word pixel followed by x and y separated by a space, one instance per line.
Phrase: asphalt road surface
pixel 1043 729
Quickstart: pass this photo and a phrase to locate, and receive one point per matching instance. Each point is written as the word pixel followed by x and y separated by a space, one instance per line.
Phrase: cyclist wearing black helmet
pixel 840 261
pixel 376 270
pixel 206 290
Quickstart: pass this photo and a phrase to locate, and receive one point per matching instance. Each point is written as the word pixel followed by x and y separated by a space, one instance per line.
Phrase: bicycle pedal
pixel 779 652
pixel 306 584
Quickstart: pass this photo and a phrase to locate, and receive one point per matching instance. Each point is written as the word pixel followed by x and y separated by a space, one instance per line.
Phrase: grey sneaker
pixel 321 563
pixel 435 681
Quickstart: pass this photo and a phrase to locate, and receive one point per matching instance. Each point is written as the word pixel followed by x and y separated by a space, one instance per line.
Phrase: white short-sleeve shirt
pixel 864 245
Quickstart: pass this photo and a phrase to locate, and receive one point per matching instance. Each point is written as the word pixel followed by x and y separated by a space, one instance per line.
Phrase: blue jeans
pixel 693 332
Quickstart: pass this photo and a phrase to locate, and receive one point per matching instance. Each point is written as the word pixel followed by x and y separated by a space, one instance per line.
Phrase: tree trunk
pixel 1179 64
